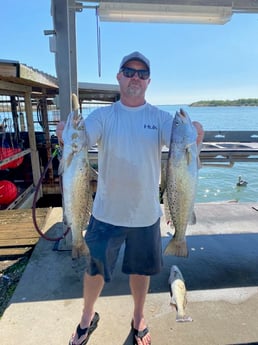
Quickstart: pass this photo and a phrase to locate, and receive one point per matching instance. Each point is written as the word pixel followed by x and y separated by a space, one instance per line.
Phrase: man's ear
pixel 118 76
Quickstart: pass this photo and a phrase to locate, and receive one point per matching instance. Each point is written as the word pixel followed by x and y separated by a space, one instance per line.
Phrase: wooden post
pixel 44 111
pixel 32 139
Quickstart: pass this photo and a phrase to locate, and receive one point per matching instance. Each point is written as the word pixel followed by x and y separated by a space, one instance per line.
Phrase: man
pixel 130 134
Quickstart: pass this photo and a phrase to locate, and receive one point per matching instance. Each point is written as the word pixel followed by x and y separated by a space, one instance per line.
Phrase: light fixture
pixel 166 12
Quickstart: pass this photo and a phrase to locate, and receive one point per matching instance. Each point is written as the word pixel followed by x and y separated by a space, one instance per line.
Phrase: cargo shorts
pixel 142 249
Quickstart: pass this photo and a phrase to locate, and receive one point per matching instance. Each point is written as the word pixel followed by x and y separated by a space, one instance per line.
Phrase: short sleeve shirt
pixel 130 141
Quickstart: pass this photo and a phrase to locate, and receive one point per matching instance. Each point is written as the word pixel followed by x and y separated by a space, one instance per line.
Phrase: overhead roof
pixel 18 73
pixel 242 6
pixel 98 92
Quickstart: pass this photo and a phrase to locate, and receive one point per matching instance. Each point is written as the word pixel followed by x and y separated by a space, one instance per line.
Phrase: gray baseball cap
pixel 135 56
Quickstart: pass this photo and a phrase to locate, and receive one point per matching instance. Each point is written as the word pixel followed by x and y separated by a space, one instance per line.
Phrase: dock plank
pixel 18 235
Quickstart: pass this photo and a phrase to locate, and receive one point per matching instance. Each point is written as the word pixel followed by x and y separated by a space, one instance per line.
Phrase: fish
pixel 181 182
pixel 178 294
pixel 76 172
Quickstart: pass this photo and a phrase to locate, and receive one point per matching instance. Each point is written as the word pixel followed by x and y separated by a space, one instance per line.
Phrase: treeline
pixel 242 102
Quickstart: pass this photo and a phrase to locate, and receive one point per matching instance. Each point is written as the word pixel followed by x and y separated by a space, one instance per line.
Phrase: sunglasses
pixel 128 72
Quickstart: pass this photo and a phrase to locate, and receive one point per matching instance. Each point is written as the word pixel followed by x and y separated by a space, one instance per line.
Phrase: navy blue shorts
pixel 142 253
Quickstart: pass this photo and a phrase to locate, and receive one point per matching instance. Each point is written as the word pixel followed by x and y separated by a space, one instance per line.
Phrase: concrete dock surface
pixel 221 277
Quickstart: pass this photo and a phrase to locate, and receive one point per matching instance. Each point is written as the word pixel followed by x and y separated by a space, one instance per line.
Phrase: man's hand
pixel 199 140
pixel 200 132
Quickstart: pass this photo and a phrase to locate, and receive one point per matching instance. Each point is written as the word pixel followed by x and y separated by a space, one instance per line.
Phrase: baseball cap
pixel 135 56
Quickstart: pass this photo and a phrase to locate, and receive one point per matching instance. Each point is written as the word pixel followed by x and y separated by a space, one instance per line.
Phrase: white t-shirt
pixel 129 141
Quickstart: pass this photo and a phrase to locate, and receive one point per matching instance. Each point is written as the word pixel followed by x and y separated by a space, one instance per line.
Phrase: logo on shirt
pixel 150 127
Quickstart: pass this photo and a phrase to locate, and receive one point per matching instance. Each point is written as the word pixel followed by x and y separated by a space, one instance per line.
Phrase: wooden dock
pixel 18 235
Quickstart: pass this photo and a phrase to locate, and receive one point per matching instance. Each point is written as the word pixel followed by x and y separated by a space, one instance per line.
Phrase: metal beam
pixel 60 12
pixel 73 48
pixel 245 6
pixel 242 6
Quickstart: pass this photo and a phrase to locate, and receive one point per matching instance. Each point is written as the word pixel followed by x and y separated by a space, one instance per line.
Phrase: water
pixel 221 118
pixel 219 184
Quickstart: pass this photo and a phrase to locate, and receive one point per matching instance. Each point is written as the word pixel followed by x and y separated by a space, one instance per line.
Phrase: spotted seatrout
pixel 76 174
pixel 178 294
pixel 181 181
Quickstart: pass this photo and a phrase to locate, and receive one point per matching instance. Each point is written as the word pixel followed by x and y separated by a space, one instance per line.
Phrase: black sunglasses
pixel 130 73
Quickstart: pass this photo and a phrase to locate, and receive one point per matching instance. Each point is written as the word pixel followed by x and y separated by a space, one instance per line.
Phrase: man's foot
pixel 141 335
pixel 81 336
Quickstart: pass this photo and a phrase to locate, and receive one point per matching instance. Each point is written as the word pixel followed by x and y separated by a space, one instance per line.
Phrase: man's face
pixel 134 86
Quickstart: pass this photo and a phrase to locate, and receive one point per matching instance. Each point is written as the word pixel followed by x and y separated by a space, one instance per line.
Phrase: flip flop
pixel 89 330
pixel 139 334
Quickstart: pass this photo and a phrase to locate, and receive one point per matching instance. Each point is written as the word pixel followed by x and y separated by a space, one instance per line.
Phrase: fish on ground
pixel 181 182
pixel 76 180
pixel 178 294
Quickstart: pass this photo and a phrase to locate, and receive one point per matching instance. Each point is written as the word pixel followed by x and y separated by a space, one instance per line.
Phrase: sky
pixel 189 62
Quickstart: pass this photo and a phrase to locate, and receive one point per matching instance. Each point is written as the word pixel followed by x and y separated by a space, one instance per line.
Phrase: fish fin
pixel 199 163
pixel 183 318
pixel 192 220
pixel 199 148
pixel 185 302
pixel 94 173
pixel 177 248
pixel 173 303
pixel 163 180
pixel 170 290
pixel 166 210
pixel 188 156
pixel 69 159
pixel 61 167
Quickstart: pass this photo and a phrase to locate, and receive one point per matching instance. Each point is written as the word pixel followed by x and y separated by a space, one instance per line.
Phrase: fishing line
pixel 98 43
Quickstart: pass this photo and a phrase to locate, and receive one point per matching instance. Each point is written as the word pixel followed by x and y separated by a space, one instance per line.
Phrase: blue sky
pixel 188 62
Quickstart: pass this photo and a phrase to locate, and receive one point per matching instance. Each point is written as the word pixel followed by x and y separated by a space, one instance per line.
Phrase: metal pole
pixel 60 9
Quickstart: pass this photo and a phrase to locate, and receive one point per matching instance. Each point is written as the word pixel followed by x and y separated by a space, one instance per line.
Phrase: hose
pixel 56 151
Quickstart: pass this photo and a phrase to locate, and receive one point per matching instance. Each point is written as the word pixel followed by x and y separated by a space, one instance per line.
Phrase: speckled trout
pixel 178 294
pixel 181 181
pixel 76 173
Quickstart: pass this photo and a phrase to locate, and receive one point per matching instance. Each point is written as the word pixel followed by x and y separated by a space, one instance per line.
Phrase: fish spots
pixel 75 136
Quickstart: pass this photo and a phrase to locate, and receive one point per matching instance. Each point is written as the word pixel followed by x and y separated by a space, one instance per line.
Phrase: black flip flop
pixel 89 330
pixel 139 334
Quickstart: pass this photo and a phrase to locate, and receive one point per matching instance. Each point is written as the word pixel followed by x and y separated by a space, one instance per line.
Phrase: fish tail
pixel 183 318
pixel 177 248
pixel 180 314
pixel 79 250
pixel 193 219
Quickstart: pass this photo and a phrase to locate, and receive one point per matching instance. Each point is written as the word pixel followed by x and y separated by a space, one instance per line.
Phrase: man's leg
pixel 139 285
pixel 93 286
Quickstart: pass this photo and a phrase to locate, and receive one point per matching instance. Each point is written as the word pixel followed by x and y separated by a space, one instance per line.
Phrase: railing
pixel 224 148
pixel 220 149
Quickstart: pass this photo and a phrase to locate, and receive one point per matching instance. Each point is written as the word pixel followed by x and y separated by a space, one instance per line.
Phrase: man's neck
pixel 132 102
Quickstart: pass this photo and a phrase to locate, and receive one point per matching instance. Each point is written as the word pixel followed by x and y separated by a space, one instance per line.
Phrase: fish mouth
pixel 174 270
pixel 182 114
